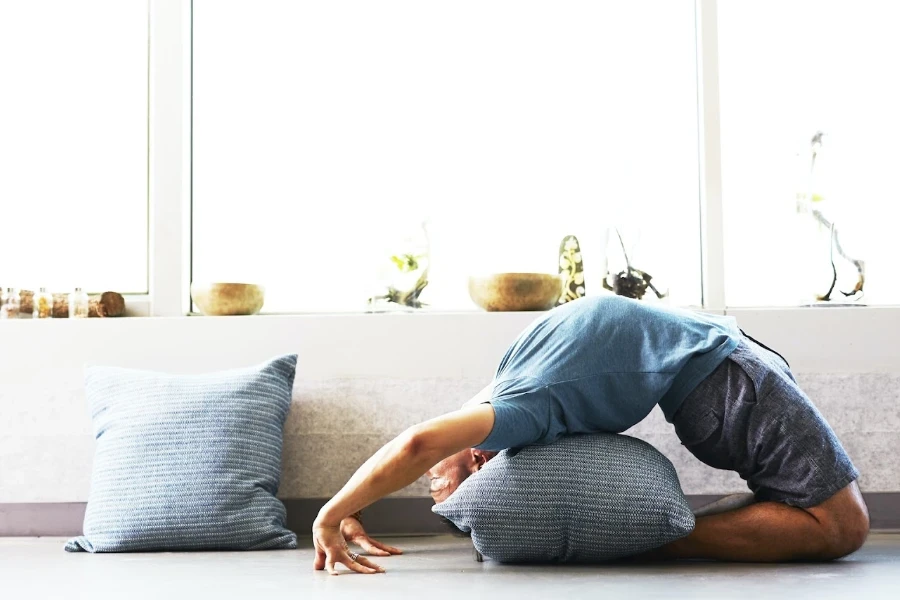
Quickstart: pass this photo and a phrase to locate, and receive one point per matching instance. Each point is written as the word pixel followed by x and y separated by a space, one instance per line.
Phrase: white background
pixel 324 130
pixel 73 141
pixel 788 69
pixel 73 145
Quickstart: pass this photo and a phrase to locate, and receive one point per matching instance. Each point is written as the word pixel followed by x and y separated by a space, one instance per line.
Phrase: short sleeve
pixel 521 420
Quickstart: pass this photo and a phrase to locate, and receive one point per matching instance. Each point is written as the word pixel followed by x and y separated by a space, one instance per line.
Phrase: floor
pixel 433 567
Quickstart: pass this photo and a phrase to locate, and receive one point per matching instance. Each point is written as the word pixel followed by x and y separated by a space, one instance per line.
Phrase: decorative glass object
pixel 9 304
pixel 79 304
pixel 829 271
pixel 571 268
pixel 402 272
pixel 43 305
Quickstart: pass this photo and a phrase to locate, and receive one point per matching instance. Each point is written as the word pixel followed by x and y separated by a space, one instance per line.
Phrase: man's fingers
pixel 368 563
pixel 358 566
pixel 386 548
pixel 371 547
pixel 319 562
pixel 331 568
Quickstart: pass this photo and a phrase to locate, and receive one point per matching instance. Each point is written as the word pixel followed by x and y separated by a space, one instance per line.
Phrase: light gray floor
pixel 433 567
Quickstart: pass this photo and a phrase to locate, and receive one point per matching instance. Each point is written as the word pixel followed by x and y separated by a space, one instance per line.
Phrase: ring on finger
pixel 354 556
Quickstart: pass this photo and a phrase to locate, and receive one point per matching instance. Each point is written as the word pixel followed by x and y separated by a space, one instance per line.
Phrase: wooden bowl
pixel 218 299
pixel 516 291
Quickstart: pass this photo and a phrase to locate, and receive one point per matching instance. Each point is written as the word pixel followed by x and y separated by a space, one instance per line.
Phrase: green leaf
pixel 405 262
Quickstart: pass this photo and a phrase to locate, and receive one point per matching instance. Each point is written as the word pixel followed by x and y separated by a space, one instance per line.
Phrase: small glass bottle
pixel 79 304
pixel 9 304
pixel 42 305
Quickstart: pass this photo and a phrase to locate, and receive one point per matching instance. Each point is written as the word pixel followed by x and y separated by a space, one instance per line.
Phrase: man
pixel 601 365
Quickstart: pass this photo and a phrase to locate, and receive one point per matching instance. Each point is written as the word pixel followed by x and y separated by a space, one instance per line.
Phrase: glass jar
pixel 9 304
pixel 79 304
pixel 42 305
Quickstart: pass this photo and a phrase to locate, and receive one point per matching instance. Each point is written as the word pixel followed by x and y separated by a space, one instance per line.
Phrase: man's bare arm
pixel 399 463
pixel 403 460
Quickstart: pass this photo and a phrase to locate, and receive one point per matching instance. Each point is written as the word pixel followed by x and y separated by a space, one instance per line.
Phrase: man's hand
pixel 331 550
pixel 353 532
pixel 399 463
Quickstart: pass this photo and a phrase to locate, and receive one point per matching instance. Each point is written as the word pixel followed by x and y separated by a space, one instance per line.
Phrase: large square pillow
pixel 187 462
pixel 584 498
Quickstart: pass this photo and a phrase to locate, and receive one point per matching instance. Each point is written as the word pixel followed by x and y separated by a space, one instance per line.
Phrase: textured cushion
pixel 586 498
pixel 187 462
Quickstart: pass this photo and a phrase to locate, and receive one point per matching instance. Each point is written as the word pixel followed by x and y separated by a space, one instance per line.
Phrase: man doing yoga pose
pixel 601 364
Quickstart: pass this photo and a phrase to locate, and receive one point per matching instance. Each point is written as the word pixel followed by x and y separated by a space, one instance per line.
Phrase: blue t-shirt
pixel 600 364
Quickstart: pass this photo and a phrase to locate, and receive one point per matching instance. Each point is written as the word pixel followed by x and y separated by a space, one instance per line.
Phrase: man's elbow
pixel 420 445
pixel 430 442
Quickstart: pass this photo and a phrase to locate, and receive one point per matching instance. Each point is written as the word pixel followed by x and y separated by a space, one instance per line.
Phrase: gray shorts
pixel 750 416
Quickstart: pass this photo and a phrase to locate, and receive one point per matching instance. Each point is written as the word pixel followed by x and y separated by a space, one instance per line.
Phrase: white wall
pixel 363 378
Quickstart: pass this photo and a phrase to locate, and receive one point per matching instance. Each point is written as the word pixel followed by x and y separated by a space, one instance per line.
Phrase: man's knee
pixel 847 534
pixel 845 523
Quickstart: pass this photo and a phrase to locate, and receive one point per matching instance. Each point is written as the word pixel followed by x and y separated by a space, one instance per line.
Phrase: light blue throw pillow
pixel 584 498
pixel 187 462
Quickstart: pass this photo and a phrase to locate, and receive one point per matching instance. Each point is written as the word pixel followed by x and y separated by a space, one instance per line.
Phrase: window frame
pixel 170 151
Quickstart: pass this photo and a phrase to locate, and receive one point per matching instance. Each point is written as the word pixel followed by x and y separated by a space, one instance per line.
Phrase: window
pixel 325 131
pixel 787 71
pixel 73 145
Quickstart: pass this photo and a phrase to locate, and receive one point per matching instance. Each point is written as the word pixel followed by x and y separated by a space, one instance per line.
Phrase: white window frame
pixel 712 242
pixel 170 188
pixel 170 161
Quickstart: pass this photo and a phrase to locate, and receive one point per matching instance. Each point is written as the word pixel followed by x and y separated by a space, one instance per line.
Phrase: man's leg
pixel 728 503
pixel 788 454
pixel 775 532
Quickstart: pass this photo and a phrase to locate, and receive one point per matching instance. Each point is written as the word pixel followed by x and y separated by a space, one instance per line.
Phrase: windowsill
pixel 817 307
pixel 834 340
pixel 477 313
pixel 140 305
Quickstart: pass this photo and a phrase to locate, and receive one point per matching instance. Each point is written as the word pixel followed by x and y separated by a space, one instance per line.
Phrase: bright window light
pixel 73 145
pixel 789 70
pixel 324 131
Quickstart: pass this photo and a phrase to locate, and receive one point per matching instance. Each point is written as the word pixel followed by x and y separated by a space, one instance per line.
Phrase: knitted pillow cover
pixel 187 462
pixel 584 498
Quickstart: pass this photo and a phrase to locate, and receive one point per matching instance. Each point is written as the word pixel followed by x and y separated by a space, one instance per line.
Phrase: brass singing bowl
pixel 503 292
pixel 219 299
